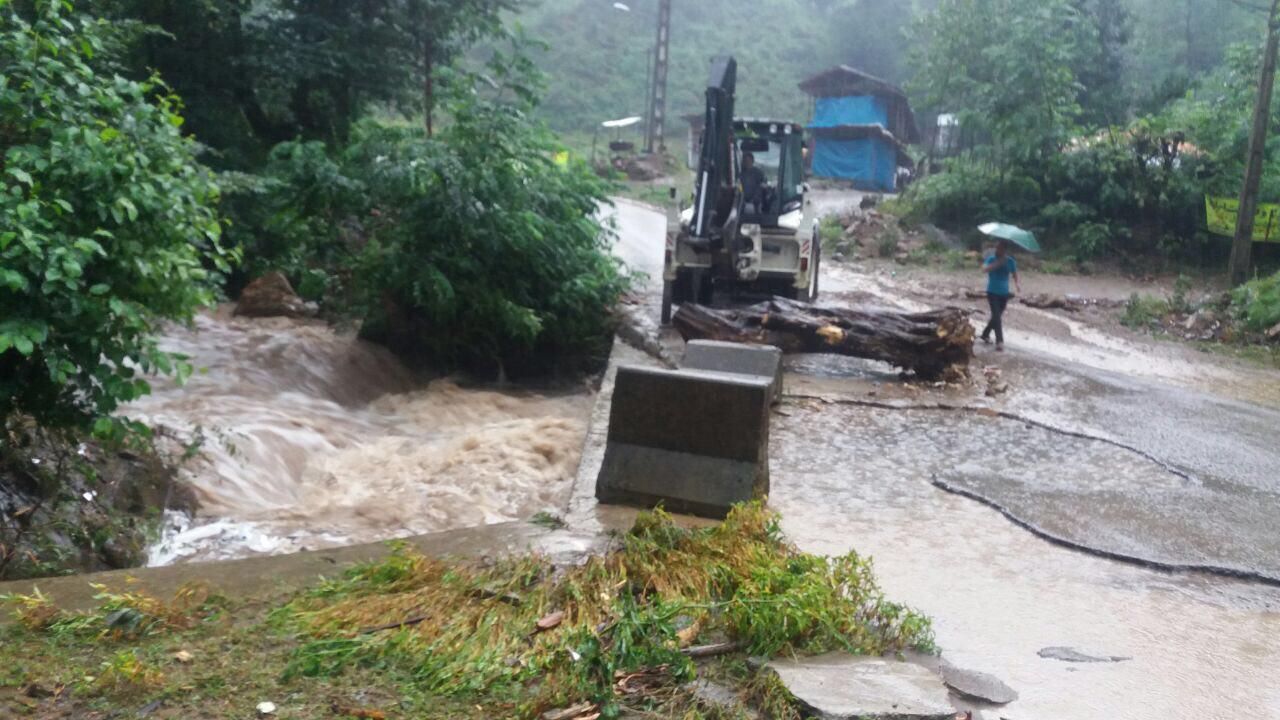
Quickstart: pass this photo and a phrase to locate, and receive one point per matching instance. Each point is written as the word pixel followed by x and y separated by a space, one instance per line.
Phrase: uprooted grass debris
pixel 517 637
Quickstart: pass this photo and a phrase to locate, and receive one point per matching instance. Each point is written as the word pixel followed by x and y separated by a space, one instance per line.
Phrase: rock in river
pixel 272 296
pixel 842 687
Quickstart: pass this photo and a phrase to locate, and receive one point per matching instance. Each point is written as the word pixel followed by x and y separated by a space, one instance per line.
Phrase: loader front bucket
pixel 695 441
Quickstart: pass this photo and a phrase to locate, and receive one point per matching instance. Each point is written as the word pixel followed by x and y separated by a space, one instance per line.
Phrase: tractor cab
pixel 777 152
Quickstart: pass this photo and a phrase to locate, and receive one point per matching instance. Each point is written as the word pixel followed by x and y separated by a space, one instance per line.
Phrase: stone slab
pixel 976 685
pixel 1066 654
pixel 838 686
pixel 736 358
pixel 967 684
pixel 695 441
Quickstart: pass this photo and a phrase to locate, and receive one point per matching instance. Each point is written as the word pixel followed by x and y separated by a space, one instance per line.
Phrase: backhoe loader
pixel 742 239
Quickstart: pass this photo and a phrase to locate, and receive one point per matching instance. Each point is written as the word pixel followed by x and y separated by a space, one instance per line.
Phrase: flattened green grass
pixel 412 636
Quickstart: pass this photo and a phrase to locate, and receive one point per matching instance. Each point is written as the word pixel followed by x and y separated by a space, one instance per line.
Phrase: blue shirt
pixel 998 279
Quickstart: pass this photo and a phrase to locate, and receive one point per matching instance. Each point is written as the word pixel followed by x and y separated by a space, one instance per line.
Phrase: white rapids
pixel 312 438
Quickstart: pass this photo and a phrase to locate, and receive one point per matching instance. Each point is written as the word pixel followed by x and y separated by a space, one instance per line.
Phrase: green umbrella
pixel 1014 234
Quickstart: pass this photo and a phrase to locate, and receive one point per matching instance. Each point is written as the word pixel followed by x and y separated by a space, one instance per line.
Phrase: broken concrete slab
pixel 976 685
pixel 1066 654
pixel 969 685
pixel 695 441
pixel 838 686
pixel 736 358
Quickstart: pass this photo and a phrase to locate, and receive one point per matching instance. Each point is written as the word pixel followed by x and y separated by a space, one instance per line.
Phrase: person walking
pixel 999 267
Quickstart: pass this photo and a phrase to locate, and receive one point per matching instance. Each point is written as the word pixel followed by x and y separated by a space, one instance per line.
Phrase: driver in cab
pixel 753 182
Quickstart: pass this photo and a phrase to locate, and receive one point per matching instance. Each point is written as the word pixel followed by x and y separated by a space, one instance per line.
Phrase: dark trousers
pixel 998 303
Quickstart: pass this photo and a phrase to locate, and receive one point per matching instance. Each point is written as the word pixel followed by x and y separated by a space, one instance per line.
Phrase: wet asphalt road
pixel 1223 512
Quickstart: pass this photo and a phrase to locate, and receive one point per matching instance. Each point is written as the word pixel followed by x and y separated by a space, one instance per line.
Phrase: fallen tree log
pixel 1043 301
pixel 935 345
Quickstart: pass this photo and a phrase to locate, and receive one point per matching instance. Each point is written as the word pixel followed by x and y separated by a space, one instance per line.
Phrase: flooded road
pixel 1200 485
pixel 857 478
pixel 1212 420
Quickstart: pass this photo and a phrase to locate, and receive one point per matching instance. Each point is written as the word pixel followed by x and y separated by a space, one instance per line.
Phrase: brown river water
pixel 313 439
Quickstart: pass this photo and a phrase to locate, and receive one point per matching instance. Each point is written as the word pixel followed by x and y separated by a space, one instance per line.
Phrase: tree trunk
pixel 428 83
pixel 1242 246
pixel 935 345
pixel 1189 38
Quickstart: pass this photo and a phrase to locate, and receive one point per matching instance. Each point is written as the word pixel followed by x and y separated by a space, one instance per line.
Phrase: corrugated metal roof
pixel 842 79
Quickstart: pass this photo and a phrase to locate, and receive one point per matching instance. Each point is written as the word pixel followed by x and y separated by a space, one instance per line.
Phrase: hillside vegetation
pixel 597 55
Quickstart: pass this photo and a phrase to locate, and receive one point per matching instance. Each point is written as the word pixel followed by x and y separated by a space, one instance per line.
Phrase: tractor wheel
pixel 668 293
pixel 700 290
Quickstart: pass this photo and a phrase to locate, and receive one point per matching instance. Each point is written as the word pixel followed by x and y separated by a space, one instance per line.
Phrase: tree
pixel 1175 42
pixel 255 73
pixel 1101 67
pixel 441 29
pixel 110 223
pixel 1005 68
pixel 870 35
pixel 1242 246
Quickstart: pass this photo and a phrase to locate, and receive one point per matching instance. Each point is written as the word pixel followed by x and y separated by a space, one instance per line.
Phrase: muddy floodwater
pixel 311 438
pixel 856 478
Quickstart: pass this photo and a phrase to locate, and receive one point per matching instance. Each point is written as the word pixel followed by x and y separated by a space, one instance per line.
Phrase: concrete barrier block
pixel 738 359
pixel 693 440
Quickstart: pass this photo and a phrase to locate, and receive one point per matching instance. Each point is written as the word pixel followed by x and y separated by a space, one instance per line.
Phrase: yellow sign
pixel 1222 214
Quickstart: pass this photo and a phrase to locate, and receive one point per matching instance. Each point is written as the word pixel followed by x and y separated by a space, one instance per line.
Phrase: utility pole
pixel 655 138
pixel 1242 246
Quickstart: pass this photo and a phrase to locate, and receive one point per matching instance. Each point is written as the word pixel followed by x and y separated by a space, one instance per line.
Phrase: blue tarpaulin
pixel 855 110
pixel 871 163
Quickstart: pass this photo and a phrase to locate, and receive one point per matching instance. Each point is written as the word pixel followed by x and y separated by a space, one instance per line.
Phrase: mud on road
pixel 1130 449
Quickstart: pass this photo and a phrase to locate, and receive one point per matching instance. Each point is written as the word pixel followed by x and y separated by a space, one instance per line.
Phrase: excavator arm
pixel 717 199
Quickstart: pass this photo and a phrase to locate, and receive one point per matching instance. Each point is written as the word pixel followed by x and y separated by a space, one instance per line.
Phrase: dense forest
pixel 597 54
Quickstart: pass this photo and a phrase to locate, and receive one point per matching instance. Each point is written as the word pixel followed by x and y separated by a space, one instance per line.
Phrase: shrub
pixel 484 251
pixel 1064 216
pixel 1132 190
pixel 289 216
pixel 1143 311
pixel 1180 300
pixel 109 223
pixel 1092 238
pixel 1258 303
pixel 888 241
pixel 831 228
pixel 956 260
pixel 964 195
